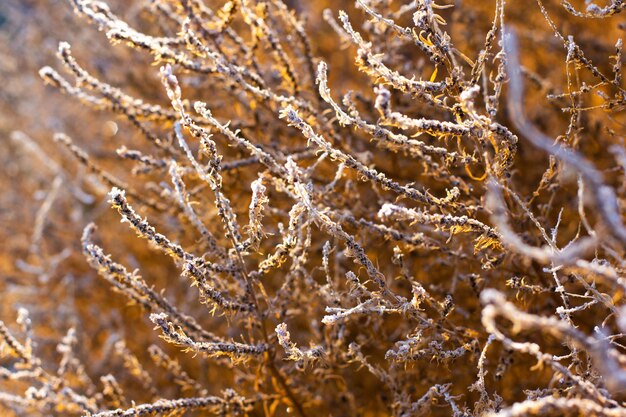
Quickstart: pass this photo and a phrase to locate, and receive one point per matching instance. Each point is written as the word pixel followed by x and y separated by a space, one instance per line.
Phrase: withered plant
pixel 365 208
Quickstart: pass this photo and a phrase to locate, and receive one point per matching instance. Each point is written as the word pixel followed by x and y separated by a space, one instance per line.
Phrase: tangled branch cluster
pixel 436 229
